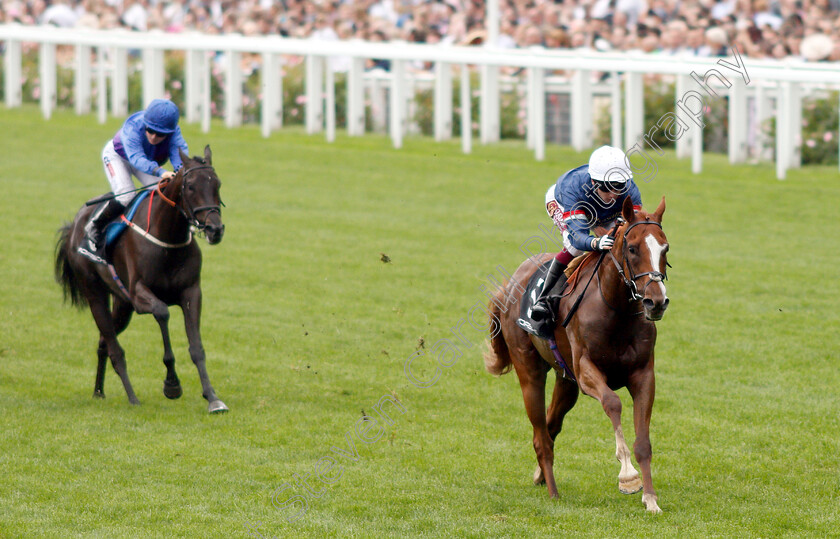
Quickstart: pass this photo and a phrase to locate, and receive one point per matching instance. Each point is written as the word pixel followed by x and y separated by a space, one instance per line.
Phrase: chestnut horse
pixel 607 345
pixel 150 270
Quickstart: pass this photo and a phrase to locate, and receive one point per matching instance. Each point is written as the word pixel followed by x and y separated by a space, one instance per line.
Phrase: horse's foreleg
pixel 642 388
pixel 562 400
pixel 120 316
pixel 108 338
pixel 593 383
pixel 191 305
pixel 532 383
pixel 145 301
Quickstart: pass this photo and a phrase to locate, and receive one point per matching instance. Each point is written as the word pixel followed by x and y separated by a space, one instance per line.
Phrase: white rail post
pixel 356 97
pixel 530 104
pixel 489 105
pixel 443 101
pixel 581 104
pixel 796 126
pixel 615 109
pixel 539 113
pixel 783 130
pixel 47 68
pixel 119 82
pixel 314 94
pixel 634 107
pixel 206 95
pixel 762 113
pixel 272 93
pixel 684 142
pixel 737 136
pixel 101 86
pixel 153 86
pixel 193 73
pixel 81 83
pixel 13 85
pixel 696 133
pixel 466 110
pixel 233 88
pixel 329 100
pixel 397 104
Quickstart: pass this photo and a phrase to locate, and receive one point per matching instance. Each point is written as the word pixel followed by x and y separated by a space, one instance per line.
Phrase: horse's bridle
pixel 655 276
pixel 188 211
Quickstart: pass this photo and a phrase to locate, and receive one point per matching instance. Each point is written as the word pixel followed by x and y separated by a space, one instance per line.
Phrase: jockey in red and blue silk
pixel 585 198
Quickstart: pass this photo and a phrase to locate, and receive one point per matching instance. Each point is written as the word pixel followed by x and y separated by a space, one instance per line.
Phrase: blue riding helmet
pixel 161 116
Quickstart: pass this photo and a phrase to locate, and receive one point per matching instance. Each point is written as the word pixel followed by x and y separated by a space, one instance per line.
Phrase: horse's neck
pixel 167 222
pixel 613 288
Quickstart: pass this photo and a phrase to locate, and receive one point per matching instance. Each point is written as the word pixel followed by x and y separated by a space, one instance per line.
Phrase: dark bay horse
pixel 156 264
pixel 607 345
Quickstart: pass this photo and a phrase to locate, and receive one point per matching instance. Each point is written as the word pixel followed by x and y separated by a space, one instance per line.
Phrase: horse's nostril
pixel 648 303
pixel 665 303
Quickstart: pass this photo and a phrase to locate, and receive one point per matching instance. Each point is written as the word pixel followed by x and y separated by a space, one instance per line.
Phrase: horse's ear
pixel 184 157
pixel 627 210
pixel 660 210
pixel 208 155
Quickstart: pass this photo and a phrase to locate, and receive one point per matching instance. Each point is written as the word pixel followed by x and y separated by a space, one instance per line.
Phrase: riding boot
pixel 541 310
pixel 93 244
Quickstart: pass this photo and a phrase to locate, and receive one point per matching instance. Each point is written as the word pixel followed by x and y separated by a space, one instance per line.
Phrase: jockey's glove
pixel 604 243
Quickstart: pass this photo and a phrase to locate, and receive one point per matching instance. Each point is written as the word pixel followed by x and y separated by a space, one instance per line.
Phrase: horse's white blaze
pixel 656 250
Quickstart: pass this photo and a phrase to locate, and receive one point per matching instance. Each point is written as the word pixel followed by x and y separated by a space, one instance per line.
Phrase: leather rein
pixel 655 276
pixel 185 208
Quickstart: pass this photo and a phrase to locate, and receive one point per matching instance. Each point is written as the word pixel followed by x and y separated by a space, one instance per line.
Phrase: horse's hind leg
pixel 108 335
pixel 642 388
pixel 563 399
pixel 593 383
pixel 120 315
pixel 191 305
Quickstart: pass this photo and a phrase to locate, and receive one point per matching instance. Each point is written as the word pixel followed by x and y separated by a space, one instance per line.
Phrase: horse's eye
pixel 633 250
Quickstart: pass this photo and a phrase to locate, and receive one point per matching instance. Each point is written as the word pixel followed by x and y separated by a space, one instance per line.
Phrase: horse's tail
pixel 496 354
pixel 64 274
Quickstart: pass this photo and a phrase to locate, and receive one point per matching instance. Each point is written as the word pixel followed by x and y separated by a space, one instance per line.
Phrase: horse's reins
pixel 188 213
pixel 597 265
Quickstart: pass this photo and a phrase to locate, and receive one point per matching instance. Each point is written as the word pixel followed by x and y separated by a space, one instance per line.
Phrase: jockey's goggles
pixel 614 187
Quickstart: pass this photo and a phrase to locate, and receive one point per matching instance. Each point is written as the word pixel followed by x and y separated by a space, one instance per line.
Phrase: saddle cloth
pixel 115 229
pixel 543 328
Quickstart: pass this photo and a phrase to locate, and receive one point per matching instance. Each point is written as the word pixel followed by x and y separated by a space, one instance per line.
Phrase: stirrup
pixel 92 256
pixel 541 311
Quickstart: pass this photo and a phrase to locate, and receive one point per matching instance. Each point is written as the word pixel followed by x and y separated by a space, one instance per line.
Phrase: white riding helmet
pixel 609 164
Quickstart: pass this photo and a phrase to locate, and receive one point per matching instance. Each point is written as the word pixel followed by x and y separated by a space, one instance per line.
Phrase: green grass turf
pixel 306 329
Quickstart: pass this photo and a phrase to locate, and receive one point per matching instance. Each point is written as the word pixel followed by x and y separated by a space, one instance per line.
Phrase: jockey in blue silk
pixel 586 199
pixel 146 141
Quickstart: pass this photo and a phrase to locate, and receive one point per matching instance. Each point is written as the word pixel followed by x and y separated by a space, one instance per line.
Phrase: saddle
pixel 114 229
pixel 541 328
pixel 545 328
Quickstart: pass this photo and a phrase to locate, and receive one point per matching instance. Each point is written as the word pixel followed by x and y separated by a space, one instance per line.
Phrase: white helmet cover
pixel 609 164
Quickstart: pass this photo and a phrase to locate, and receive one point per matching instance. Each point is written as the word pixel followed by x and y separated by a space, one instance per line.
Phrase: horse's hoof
pixel 172 391
pixel 134 402
pixel 539 478
pixel 98 394
pixel 217 407
pixel 650 503
pixel 631 486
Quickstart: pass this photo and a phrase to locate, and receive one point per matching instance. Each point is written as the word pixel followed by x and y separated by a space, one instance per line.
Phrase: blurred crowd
pixel 807 29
